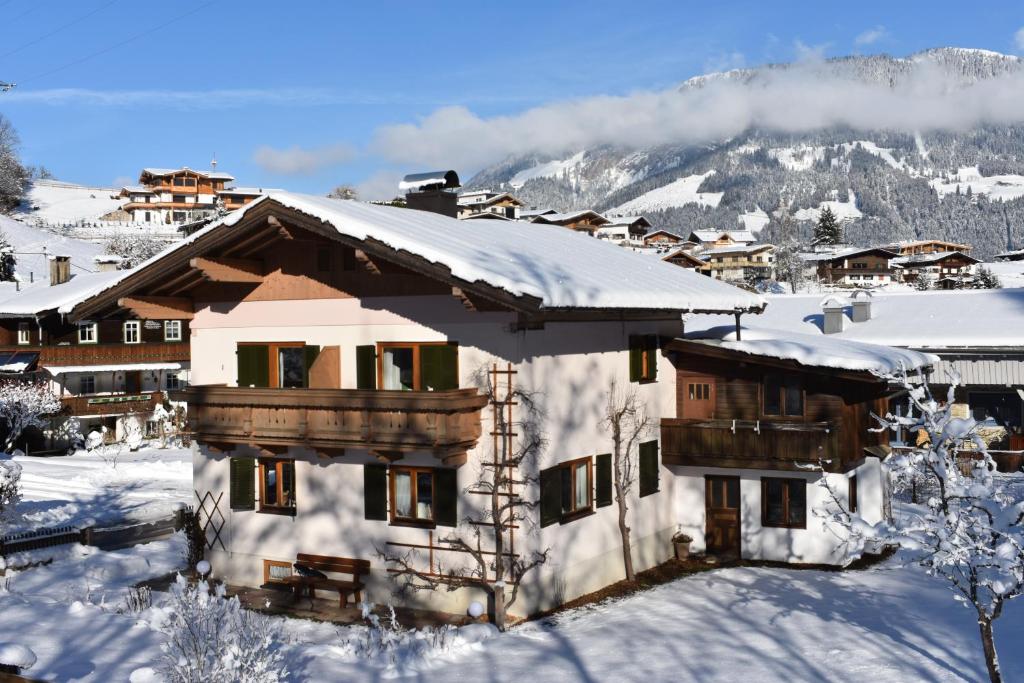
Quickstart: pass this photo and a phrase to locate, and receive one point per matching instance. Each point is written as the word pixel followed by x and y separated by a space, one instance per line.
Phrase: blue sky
pixel 297 94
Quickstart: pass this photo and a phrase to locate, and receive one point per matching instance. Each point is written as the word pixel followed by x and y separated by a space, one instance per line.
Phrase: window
pixel 87 384
pixel 402 366
pixel 698 391
pixel 24 333
pixel 784 503
pixel 566 491
pixel 853 493
pixel 643 358
pixel 277 486
pixel 783 396
pixel 276 364
pixel 178 198
pixel 859 264
pixel 172 330
pixel 172 381
pixel 87 333
pixel 132 332
pixel 412 494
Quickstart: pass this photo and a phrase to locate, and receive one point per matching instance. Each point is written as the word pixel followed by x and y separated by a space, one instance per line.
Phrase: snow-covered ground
pixel 54 202
pixel 997 187
pixel 677 193
pixel 1010 273
pixel 843 210
pixel 93 488
pixel 888 623
pixel 755 220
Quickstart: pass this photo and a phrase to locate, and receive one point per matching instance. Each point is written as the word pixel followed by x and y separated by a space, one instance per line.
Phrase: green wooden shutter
pixel 254 365
pixel 439 367
pixel 311 353
pixel 651 346
pixel 550 496
pixel 242 489
pixel 603 494
pixel 375 491
pixel 636 360
pixel 446 497
pixel 366 367
pixel 648 468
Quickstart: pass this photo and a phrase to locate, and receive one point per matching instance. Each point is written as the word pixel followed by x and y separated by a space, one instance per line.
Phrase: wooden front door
pixel 132 382
pixel 722 502
pixel 697 397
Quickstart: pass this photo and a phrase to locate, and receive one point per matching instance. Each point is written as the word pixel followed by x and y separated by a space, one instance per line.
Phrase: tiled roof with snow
pixel 972 318
pixel 815 350
pixel 562 268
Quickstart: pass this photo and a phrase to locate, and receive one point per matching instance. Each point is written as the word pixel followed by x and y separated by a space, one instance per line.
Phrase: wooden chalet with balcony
pixel 350 362
pixel 182 195
pixel 584 221
pixel 857 267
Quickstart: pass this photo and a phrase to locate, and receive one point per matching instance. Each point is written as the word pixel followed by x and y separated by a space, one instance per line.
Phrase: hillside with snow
pixel 53 202
pixel 885 185
pixel 32 248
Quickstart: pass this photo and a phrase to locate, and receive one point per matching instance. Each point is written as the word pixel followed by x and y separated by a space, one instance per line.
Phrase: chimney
pixel 429 192
pixel 861 306
pixel 60 270
pixel 107 263
pixel 833 309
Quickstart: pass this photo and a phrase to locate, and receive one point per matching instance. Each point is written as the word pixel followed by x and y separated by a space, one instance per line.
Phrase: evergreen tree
pixel 8 263
pixel 828 230
pixel 986 279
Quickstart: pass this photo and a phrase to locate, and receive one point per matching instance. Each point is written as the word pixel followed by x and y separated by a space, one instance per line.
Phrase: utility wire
pixel 30 10
pixel 57 30
pixel 120 44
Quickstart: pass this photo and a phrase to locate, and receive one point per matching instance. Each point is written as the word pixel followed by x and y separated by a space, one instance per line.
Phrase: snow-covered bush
pixel 10 490
pixel 211 639
pixel 24 405
pixel 16 656
pixel 134 248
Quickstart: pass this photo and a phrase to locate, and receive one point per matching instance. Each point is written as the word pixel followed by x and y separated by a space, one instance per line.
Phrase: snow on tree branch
pixel 24 405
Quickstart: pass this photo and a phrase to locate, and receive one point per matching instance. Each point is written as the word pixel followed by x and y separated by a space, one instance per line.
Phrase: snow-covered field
pixel 997 187
pixel 888 623
pixel 55 202
pixel 843 210
pixel 93 488
pixel 677 193
pixel 1010 273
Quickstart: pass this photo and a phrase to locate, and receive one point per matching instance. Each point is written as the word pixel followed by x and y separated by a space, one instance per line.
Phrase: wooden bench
pixel 333 565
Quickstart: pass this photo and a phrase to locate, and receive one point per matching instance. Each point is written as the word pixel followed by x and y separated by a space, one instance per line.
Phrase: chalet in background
pixel 487 203
pixel 947 269
pixel 871 266
pixel 181 195
pixel 340 401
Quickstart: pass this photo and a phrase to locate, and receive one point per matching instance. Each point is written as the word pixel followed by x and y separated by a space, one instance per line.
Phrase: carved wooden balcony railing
pixel 387 423
pixel 105 354
pixel 777 445
pixel 112 404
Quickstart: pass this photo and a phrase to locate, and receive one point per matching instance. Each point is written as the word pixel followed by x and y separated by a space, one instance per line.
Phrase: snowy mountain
pixel 885 184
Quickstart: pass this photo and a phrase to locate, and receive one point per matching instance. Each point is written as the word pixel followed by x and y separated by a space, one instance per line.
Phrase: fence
pixel 105 538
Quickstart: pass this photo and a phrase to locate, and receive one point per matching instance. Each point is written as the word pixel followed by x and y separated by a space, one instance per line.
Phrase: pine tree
pixel 986 279
pixel 8 263
pixel 828 230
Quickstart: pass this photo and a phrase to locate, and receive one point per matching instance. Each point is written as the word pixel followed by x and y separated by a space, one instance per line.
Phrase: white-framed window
pixel 172 382
pixel 172 330
pixel 24 333
pixel 132 332
pixel 87 384
pixel 87 333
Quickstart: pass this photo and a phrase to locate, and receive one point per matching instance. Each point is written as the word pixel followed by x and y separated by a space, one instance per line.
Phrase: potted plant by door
pixel 682 545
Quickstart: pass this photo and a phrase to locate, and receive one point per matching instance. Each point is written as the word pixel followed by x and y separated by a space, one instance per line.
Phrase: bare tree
pixel 493 565
pixel 627 421
pixel 343 192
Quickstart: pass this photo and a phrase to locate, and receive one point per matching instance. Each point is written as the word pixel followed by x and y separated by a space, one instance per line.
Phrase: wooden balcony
pixel 112 404
pixel 106 354
pixel 387 423
pixel 750 444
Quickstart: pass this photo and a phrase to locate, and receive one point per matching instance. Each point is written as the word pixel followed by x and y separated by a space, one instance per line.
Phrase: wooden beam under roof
pixel 159 307
pixel 235 270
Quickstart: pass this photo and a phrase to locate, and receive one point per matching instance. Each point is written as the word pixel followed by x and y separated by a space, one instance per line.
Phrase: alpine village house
pixel 339 402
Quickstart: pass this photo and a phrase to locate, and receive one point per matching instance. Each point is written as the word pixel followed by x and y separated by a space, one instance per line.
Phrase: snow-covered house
pixel 110 371
pixel 624 230
pixel 657 238
pixel 855 267
pixel 501 204
pixel 340 404
pixel 740 263
pixel 685 259
pixel 176 195
pixel 940 267
pixel 770 425
pixel 584 221
pixel 927 246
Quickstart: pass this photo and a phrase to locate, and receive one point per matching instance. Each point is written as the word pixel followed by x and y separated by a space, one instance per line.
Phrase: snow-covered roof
pixel 815 350
pixel 627 220
pixel 214 175
pixel 930 258
pixel 955 319
pixel 114 367
pixel 418 181
pixel 35 300
pixel 561 268
pixel 243 190
pixel 569 216
pixel 847 253
pixel 137 189
pixel 530 213
pixel 714 235
pixel 1011 255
